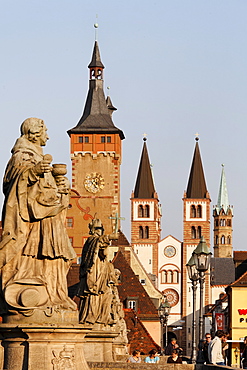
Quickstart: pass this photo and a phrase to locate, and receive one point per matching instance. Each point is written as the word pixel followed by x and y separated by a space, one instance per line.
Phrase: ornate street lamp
pixel 163 311
pixel 194 277
pixel 202 259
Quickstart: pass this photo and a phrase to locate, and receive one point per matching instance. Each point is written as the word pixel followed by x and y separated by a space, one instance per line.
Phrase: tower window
pixel 69 222
pixel 86 139
pixel 80 139
pixel 146 233
pixel 140 211
pixel 103 139
pixel 199 211
pixel 108 139
pixel 193 232
pixel 199 232
pixel 229 223
pixel 216 240
pixel 71 240
pixel 140 232
pixel 193 211
pixel 216 223
pixel 222 222
pixel 223 239
pixel 228 240
pixel 146 211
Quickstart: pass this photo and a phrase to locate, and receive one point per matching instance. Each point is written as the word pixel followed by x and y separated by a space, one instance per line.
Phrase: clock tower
pixel 96 157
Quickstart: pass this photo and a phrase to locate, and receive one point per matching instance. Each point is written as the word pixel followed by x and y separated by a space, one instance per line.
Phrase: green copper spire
pixel 223 202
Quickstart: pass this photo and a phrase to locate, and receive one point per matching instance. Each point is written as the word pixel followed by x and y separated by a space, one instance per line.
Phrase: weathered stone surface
pixel 32 347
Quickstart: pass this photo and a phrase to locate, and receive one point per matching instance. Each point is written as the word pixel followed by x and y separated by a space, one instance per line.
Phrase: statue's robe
pixel 35 249
pixel 96 279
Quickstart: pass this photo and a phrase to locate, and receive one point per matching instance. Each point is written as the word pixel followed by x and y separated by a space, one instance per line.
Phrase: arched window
pixel 175 277
pixel 216 240
pixel 146 211
pixel 223 239
pixel 216 222
pixel 164 277
pixel 193 232
pixel 199 232
pixel 228 240
pixel 192 211
pixel 146 232
pixel 229 223
pixel 222 222
pixel 140 232
pixel 199 211
pixel 140 211
pixel 169 276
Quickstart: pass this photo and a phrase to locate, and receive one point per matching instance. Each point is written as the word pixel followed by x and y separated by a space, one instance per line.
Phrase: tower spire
pixel 144 187
pixel 223 201
pixel 96 118
pixel 196 185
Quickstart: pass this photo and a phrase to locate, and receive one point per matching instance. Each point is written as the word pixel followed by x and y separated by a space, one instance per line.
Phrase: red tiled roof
pixel 138 336
pixel 131 287
pixel 240 255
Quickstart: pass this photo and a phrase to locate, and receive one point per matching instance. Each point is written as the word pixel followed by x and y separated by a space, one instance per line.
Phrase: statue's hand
pixel 42 167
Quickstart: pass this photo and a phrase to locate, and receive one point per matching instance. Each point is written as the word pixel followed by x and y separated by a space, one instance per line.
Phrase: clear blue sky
pixel 174 68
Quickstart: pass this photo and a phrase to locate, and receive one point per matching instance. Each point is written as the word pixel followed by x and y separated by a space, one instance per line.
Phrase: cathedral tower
pixel 145 216
pixel 223 215
pixel 96 157
pixel 196 223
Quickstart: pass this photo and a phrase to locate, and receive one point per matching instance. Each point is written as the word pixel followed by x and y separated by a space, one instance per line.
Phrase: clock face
pixel 172 296
pixel 169 251
pixel 94 182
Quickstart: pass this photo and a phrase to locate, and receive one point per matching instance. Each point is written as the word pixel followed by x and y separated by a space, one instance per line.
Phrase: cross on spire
pixel 116 218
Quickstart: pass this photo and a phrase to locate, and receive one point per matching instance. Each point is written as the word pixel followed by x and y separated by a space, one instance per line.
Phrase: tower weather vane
pixel 197 136
pixel 96 26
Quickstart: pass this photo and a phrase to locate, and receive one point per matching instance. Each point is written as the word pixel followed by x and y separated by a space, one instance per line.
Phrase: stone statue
pixel 35 251
pixel 97 278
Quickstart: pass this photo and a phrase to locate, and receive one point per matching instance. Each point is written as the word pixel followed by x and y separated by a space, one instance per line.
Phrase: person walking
pixel 205 347
pixel 215 349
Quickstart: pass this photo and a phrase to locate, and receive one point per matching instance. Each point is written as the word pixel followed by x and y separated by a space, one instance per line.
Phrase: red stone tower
pixel 96 157
pixel 196 223
pixel 145 216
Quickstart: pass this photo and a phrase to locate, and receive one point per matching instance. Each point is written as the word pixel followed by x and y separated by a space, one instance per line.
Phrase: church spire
pixel 196 185
pixel 223 202
pixel 144 187
pixel 96 118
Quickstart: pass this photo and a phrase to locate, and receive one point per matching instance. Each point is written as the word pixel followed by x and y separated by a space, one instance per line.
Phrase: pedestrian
pixel 225 347
pixel 172 345
pixel 153 357
pixel 136 357
pixel 244 354
pixel 215 349
pixel 174 358
pixel 205 347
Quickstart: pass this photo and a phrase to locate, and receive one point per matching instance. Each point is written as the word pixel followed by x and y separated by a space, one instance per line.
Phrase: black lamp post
pixel 163 311
pixel 194 277
pixel 202 259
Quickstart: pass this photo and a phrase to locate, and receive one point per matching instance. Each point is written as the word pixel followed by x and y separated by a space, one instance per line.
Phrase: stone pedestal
pixel 43 347
pixel 98 346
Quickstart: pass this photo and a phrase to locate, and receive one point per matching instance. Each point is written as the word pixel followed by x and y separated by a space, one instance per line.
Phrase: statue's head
pixel 35 131
pixel 95 226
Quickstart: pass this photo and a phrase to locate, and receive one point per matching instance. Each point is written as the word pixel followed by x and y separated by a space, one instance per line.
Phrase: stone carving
pixel 65 360
pixel 97 278
pixel 35 252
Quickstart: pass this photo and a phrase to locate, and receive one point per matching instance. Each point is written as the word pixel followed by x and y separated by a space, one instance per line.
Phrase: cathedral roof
pixel 96 116
pixel 144 187
pixel 196 188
